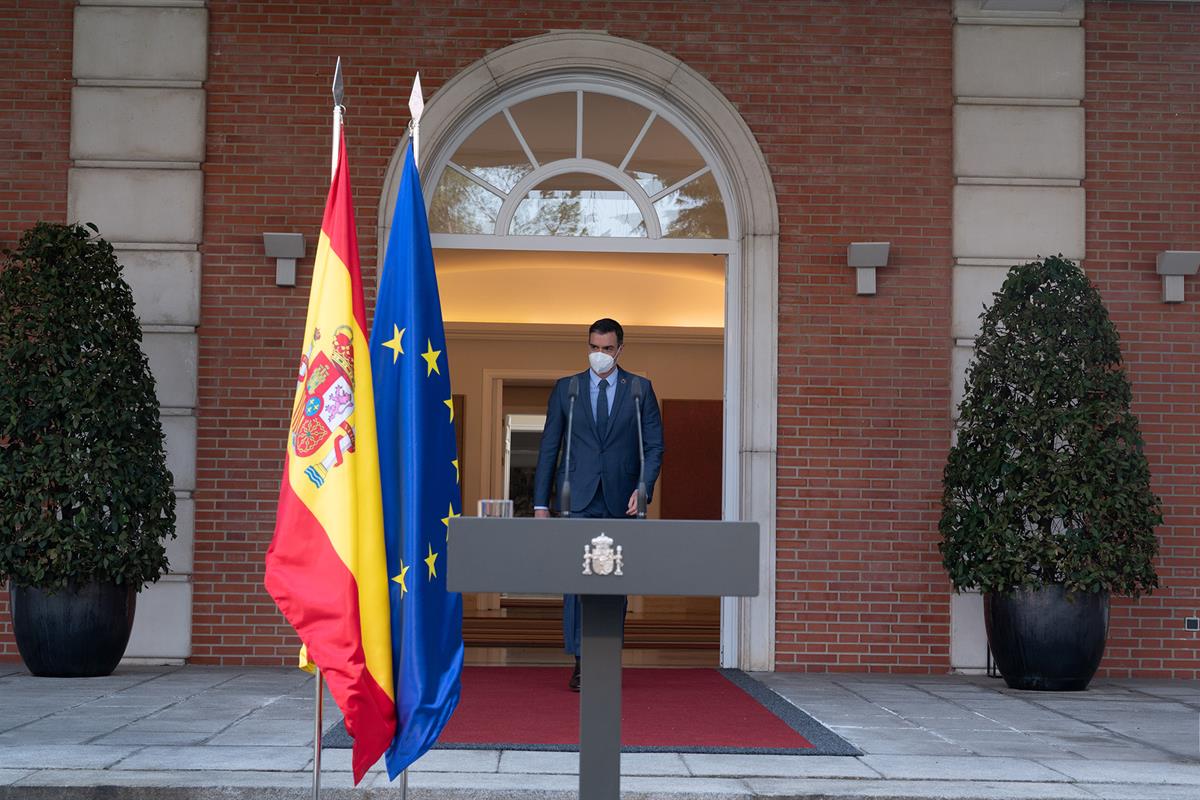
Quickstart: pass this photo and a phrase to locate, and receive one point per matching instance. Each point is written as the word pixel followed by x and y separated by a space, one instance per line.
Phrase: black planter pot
pixel 1047 639
pixel 78 632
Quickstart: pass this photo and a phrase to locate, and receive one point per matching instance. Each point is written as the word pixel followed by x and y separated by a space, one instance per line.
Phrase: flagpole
pixel 316 779
pixel 338 111
pixel 416 107
pixel 318 701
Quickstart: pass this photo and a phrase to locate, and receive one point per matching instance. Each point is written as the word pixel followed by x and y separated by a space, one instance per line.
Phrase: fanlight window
pixel 578 163
pixel 577 204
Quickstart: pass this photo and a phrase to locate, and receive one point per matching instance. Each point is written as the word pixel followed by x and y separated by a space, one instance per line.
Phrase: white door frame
pixel 751 316
pixel 517 423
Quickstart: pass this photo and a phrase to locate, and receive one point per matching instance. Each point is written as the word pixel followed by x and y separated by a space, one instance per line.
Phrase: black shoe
pixel 573 684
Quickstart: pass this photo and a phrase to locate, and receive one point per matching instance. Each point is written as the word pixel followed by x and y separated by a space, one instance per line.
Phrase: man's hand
pixel 541 513
pixel 631 509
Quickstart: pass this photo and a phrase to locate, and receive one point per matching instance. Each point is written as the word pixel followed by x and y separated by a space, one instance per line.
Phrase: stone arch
pixel 751 329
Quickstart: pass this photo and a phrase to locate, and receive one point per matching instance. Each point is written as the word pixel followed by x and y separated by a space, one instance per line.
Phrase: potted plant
pixel 85 495
pixel 1047 507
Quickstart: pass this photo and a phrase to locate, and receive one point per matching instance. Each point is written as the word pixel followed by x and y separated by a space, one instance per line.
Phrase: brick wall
pixel 35 115
pixel 851 105
pixel 35 128
pixel 852 110
pixel 1143 197
pixel 860 150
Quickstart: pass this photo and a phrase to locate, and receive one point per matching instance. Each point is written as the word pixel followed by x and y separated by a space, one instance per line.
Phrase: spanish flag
pixel 326 567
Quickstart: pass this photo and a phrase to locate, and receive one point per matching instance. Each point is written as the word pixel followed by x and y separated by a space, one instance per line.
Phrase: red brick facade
pixel 851 104
pixel 35 128
pixel 35 115
pixel 1143 174
pixel 852 111
pixel 861 150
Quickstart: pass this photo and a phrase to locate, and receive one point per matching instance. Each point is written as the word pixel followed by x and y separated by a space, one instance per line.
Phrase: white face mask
pixel 601 362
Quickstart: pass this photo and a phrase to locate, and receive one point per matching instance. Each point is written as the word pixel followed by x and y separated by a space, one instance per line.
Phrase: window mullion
pixel 471 176
pixel 641 135
pixel 512 123
pixel 654 198
pixel 579 124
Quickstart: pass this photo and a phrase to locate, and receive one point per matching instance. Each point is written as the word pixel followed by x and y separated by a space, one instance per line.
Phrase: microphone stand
pixel 641 487
pixel 565 494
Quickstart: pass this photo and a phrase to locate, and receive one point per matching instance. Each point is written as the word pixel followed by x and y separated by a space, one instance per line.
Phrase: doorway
pixel 490 186
pixel 502 628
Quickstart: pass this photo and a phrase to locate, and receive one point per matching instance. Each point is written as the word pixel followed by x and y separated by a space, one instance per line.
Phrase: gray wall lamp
pixel 1173 265
pixel 285 248
pixel 865 257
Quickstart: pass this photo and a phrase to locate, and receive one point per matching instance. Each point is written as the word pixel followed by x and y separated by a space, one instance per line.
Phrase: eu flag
pixel 418 469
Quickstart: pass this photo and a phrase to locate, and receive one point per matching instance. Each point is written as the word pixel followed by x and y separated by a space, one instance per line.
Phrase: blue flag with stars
pixel 418 468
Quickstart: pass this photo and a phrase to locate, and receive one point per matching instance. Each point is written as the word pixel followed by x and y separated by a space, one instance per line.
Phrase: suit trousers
pixel 572 608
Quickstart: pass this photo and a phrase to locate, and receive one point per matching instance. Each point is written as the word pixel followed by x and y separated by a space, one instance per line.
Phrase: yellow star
pixel 457 474
pixel 396 343
pixel 400 579
pixel 449 404
pixel 446 519
pixel 431 356
pixel 430 561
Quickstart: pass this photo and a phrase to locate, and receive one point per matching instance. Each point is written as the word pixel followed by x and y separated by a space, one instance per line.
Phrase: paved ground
pixel 206 732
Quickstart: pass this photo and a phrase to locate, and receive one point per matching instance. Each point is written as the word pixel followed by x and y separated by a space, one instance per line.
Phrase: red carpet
pixel 669 709
pixel 663 710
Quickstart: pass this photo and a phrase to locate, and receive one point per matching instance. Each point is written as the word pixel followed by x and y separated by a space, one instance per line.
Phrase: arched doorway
pixel 552 194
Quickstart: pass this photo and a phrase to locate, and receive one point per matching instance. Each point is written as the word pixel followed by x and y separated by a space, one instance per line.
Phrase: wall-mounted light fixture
pixel 865 257
pixel 1173 265
pixel 285 248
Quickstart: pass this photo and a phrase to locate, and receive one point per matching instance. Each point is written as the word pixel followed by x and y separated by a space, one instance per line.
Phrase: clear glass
pixel 693 211
pixel 462 206
pixel 610 124
pixel 496 508
pixel 578 204
pixel 493 153
pixel 547 124
pixel 663 158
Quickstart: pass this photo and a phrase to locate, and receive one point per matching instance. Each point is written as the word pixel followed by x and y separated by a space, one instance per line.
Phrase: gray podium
pixel 602 560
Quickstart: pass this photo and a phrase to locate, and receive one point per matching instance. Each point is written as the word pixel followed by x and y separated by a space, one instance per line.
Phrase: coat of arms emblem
pixel 599 557
pixel 322 418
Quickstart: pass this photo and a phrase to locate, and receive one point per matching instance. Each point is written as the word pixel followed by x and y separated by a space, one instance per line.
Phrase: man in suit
pixel 604 447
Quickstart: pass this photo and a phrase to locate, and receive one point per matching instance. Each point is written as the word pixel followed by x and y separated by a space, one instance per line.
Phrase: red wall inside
pixel 1143 197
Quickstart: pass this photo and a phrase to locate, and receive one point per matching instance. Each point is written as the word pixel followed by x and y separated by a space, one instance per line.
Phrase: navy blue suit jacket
pixel 611 461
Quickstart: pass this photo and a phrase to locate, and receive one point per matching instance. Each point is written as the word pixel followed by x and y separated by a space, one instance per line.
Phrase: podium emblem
pixel 599 557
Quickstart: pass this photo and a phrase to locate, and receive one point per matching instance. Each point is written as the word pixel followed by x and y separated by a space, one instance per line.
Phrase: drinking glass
pixel 495 508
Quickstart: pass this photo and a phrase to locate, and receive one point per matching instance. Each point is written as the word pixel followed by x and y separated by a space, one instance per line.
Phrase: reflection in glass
pixel 610 124
pixel 522 464
pixel 462 206
pixel 548 125
pixel 693 211
pixel 578 204
pixel 663 158
pixel 493 153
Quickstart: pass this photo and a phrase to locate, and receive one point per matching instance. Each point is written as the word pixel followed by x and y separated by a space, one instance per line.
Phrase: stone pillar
pixel 1018 167
pixel 137 145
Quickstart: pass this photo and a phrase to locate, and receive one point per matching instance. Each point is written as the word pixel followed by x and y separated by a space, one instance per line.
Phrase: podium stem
pixel 600 698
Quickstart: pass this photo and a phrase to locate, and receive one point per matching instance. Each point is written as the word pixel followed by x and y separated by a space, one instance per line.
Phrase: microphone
pixel 565 494
pixel 641 487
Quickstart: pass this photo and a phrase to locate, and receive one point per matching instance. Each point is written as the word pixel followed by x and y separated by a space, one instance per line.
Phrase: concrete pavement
pixel 232 733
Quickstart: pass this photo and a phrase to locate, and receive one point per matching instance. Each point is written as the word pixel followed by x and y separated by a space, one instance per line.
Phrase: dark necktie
pixel 602 408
